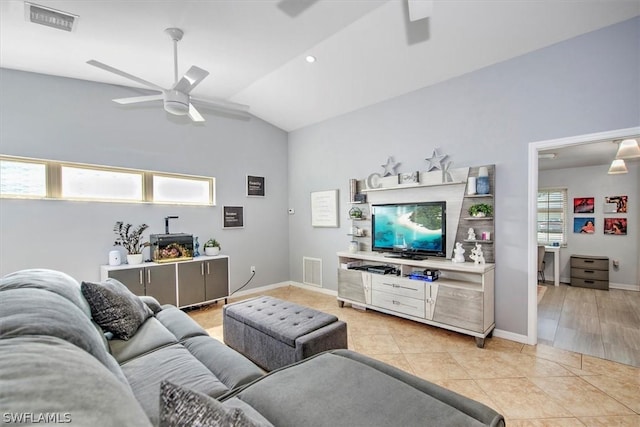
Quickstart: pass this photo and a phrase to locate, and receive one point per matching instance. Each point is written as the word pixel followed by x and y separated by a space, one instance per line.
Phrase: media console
pixel 461 300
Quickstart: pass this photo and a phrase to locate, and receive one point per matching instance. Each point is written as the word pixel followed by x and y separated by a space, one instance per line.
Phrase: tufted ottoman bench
pixel 275 333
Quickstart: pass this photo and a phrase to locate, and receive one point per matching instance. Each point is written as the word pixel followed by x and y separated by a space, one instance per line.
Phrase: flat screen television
pixel 413 230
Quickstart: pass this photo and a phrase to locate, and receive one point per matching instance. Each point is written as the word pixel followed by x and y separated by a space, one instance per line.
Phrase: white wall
pixel 594 182
pixel 65 119
pixel 584 85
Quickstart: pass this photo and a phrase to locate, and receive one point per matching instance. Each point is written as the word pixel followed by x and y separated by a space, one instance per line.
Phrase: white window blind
pixel 552 216
pixel 20 178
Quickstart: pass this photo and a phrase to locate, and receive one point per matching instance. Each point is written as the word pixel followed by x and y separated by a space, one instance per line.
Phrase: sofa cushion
pixel 33 311
pixel 48 280
pixel 173 363
pixel 282 320
pixel 232 368
pixel 150 336
pixel 179 323
pixel 354 393
pixel 182 407
pixel 115 308
pixel 43 375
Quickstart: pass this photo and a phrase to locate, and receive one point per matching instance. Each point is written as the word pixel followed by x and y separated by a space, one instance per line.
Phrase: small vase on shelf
pixel 134 259
pixel 196 250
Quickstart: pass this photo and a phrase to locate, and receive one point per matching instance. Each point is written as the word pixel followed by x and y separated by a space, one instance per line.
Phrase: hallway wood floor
pixel 604 324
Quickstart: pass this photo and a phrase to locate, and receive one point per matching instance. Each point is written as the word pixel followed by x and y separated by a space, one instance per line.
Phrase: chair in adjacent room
pixel 541 263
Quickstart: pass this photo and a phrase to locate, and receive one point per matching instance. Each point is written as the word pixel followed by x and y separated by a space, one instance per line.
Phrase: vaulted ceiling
pixel 367 51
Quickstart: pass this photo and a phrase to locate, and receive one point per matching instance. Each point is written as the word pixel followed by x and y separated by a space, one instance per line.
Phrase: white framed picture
pixel 324 208
pixel 233 217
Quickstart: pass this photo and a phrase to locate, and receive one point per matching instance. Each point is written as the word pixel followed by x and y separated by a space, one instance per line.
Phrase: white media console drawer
pixel 398 286
pixel 401 304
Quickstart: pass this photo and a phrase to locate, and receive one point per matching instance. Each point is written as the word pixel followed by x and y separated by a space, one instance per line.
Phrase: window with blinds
pixel 552 216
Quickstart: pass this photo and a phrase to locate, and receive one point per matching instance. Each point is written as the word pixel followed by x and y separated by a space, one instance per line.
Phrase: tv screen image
pixel 410 228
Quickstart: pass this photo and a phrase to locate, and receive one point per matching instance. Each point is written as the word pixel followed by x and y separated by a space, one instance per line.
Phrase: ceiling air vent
pixel 49 17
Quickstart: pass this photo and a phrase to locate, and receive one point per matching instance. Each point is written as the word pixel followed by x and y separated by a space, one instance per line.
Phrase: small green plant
pixel 212 243
pixel 130 237
pixel 481 209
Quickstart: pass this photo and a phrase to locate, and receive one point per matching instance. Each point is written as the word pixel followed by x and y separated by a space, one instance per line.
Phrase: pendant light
pixel 617 167
pixel 628 149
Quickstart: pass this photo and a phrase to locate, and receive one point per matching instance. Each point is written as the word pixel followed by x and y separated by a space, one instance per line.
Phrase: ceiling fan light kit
pixel 177 99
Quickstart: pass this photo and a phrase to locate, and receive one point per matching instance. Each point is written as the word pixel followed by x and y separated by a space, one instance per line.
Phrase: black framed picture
pixel 255 186
pixel 233 216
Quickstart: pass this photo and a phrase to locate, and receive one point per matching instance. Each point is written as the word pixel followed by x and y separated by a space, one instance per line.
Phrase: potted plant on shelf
pixel 212 247
pixel 481 210
pixel 129 238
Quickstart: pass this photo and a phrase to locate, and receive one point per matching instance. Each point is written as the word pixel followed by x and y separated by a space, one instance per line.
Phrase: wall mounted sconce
pixel 617 167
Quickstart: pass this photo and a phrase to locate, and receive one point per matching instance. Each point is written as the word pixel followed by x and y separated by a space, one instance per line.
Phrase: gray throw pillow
pixel 182 407
pixel 115 308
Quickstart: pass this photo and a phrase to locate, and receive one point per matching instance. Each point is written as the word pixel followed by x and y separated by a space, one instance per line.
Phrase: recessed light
pixel 547 155
pixel 310 59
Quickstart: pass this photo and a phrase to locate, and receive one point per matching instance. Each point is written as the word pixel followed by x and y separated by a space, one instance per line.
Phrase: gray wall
pixel 587 84
pixel 593 181
pixel 65 119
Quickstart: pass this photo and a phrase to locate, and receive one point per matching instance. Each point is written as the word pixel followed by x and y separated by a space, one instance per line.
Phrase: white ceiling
pixel 367 50
pixel 587 154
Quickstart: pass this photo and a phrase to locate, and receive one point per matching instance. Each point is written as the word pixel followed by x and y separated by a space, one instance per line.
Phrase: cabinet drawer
pixel 594 263
pixel 399 303
pixel 585 273
pixel 588 283
pixel 351 285
pixel 398 286
pixel 459 307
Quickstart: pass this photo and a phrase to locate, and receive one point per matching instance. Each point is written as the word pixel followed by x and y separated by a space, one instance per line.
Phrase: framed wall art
pixel 324 208
pixel 255 186
pixel 232 216
pixel 615 204
pixel 585 225
pixel 616 226
pixel 583 205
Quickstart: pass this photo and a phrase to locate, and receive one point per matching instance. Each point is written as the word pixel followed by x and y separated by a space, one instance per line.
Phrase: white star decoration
pixel 389 168
pixel 436 160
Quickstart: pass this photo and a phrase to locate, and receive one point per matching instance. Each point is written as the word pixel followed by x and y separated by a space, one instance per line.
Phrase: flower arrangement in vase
pixel 212 247
pixel 130 238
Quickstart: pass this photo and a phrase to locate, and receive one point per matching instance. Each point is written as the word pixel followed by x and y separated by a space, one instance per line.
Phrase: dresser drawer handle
pixel 589 261
pixel 589 281
pixel 589 271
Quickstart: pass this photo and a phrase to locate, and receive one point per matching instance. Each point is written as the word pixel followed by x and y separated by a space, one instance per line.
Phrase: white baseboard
pixel 510 336
pixel 314 288
pixel 624 287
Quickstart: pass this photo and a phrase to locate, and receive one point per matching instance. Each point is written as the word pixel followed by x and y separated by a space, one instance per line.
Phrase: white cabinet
pixel 460 300
pixel 185 283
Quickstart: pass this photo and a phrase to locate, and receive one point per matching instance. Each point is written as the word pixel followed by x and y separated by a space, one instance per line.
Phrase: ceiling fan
pixel 177 99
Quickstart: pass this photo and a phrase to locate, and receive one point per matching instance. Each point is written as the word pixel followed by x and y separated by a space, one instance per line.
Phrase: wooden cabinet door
pixel 191 283
pixel 132 278
pixel 161 283
pixel 216 273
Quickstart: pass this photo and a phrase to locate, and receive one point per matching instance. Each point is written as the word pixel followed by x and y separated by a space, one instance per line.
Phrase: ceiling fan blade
pixel 194 114
pixel 221 103
pixel 419 9
pixel 190 79
pixel 123 74
pixel 135 99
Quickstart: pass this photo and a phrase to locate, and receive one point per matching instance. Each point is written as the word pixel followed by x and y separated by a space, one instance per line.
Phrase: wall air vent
pixel 312 271
pixel 49 17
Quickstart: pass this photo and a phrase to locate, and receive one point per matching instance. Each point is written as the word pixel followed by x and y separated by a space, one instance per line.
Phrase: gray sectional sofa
pixel 58 365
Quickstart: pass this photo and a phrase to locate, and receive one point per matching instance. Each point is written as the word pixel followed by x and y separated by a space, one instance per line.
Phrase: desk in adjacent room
pixel 556 262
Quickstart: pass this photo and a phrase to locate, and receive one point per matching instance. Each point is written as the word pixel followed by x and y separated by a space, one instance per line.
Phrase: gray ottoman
pixel 274 333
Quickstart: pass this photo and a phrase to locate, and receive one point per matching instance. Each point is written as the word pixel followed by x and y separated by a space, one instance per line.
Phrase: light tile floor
pixel 604 324
pixel 533 386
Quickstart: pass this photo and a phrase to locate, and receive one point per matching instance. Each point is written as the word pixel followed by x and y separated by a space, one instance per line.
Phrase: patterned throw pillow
pixel 115 308
pixel 181 407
